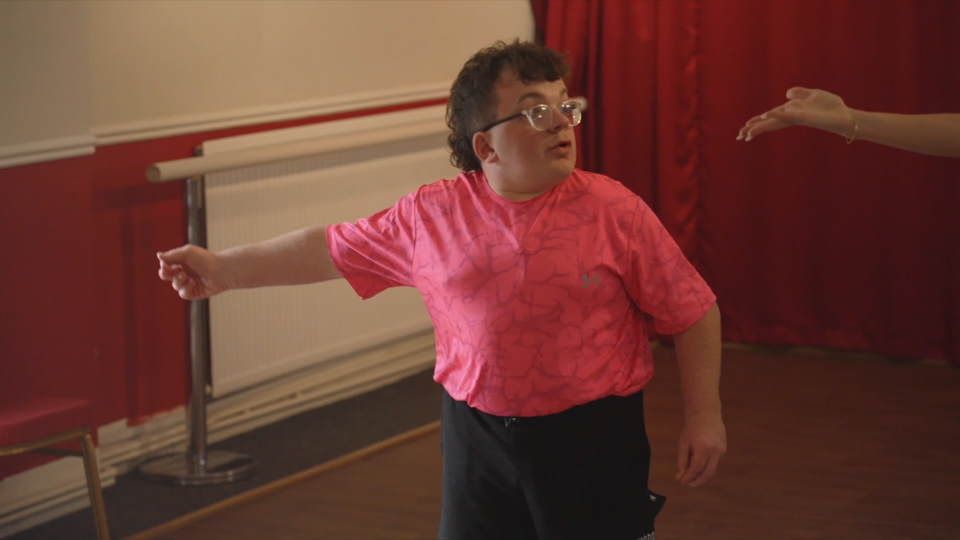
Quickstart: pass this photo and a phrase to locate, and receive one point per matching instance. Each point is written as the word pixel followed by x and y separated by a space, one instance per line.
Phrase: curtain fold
pixel 806 240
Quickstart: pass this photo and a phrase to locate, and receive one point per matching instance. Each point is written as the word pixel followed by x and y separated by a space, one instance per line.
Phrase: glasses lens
pixel 571 109
pixel 541 117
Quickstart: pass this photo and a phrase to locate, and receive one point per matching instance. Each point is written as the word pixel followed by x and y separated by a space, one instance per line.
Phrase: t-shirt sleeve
pixel 376 253
pixel 661 280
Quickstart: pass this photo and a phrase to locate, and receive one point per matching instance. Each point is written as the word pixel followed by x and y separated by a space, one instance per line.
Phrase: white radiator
pixel 262 334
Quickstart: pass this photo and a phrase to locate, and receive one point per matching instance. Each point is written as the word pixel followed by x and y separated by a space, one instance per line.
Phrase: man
pixel 536 277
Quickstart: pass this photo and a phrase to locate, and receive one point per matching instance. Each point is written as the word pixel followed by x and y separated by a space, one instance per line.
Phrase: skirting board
pixel 44 493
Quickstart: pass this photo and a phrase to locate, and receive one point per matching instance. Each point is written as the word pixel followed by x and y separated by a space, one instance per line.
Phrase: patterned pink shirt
pixel 537 305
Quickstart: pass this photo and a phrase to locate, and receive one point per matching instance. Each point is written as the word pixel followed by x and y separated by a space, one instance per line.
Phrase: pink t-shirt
pixel 537 305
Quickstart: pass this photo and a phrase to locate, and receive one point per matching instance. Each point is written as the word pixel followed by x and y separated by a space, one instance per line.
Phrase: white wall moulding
pixel 85 145
pixel 180 125
pixel 48 150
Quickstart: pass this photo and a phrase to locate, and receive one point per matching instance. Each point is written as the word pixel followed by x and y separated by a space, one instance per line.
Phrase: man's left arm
pixel 703 440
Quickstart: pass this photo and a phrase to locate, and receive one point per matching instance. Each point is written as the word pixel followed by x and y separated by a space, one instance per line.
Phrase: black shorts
pixel 581 473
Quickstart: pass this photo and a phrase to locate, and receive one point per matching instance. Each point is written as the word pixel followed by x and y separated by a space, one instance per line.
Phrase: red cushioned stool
pixel 34 424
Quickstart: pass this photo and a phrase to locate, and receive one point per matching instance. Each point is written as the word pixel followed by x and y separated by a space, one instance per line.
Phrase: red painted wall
pixel 82 311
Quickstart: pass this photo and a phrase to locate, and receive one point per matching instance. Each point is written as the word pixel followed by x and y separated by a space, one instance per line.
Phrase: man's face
pixel 525 156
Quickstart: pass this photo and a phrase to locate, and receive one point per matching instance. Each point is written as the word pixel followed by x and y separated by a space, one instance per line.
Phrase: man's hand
pixel 193 272
pixel 812 108
pixel 703 442
pixel 295 258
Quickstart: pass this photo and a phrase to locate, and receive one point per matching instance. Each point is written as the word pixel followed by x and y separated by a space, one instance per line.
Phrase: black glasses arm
pixel 500 121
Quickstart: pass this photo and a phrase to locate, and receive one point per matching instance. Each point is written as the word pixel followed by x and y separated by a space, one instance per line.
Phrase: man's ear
pixel 482 148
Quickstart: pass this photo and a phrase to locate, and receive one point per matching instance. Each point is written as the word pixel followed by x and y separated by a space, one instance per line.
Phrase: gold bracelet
pixel 856 129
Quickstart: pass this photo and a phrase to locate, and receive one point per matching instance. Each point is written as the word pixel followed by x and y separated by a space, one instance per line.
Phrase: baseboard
pixel 47 492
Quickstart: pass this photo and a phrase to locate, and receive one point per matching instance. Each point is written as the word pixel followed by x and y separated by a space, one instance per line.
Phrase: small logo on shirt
pixel 587 280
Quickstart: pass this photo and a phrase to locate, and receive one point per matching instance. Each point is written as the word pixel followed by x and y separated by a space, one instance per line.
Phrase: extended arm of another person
pixel 933 134
pixel 296 258
pixel 703 440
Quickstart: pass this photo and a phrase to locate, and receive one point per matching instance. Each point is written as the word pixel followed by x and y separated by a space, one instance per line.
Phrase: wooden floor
pixel 820 447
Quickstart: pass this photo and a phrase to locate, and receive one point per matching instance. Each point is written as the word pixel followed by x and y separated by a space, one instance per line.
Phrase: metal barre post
pixel 198 467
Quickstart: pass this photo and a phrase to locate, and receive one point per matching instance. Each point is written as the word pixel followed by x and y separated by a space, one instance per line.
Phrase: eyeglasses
pixel 541 116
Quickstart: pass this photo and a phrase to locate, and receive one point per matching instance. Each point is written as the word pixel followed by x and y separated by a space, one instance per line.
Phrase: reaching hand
pixel 193 272
pixel 812 108
pixel 703 442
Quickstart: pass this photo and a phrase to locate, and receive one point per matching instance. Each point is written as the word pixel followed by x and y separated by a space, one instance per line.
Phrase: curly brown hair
pixel 472 100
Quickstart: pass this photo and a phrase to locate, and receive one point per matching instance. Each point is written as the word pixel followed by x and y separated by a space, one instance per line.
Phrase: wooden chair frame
pixel 42 446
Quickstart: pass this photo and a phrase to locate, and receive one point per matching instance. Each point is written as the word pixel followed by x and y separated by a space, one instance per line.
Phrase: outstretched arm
pixel 295 258
pixel 934 134
pixel 703 440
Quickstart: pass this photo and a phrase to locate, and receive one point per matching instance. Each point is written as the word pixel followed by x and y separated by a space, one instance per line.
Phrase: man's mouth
pixel 561 144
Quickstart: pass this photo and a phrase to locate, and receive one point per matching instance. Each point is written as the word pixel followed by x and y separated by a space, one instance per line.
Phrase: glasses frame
pixel 528 113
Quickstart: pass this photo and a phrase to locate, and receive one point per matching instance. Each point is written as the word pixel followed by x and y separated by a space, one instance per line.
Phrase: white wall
pixel 74 68
pixel 44 80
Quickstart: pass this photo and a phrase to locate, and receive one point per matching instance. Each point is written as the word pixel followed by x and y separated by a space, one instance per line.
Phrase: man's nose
pixel 560 120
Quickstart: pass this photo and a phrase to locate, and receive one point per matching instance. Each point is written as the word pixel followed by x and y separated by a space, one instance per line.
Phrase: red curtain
pixel 806 240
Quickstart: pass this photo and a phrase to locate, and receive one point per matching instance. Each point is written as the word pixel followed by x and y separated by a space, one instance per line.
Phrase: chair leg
pixel 93 487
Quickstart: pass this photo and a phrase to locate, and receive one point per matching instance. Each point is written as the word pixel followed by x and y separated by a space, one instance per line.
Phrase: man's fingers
pixel 167 257
pixel 176 261
pixel 168 272
pixel 798 92
pixel 683 459
pixel 708 471
pixel 186 269
pixel 175 256
pixel 698 463
pixel 188 289
pixel 191 291
pixel 179 281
